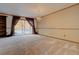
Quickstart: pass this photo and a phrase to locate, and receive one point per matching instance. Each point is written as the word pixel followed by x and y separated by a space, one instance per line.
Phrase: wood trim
pixel 61 28
pixel 60 10
pixel 58 38
pixel 7 14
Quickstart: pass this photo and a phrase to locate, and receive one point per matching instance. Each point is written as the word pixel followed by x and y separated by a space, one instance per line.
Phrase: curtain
pixel 31 22
pixel 14 22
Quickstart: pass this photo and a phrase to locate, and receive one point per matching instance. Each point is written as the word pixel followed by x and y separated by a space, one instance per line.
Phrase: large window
pixel 23 27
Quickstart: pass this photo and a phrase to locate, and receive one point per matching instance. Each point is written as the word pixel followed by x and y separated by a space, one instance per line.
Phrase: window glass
pixel 23 27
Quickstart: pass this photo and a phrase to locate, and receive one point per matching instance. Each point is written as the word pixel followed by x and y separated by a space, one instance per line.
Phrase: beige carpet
pixel 36 45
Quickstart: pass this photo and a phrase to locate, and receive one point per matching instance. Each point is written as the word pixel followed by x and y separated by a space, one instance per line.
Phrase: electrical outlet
pixel 64 35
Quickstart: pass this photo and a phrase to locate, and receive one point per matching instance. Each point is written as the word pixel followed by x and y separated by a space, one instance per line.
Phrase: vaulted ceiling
pixel 32 9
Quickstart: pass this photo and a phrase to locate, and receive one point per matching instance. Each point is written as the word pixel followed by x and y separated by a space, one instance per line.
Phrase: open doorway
pixel 23 27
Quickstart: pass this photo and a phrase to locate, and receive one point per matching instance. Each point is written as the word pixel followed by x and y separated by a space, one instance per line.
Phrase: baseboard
pixel 58 38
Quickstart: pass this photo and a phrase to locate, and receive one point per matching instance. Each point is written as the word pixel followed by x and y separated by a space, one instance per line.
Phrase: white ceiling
pixel 31 9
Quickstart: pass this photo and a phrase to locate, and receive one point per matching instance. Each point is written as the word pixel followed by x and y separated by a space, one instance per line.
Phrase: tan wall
pixel 63 24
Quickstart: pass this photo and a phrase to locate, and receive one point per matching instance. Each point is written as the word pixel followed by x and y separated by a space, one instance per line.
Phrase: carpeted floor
pixel 36 45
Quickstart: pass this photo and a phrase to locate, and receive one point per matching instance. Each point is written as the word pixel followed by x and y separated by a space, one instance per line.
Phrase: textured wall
pixel 63 24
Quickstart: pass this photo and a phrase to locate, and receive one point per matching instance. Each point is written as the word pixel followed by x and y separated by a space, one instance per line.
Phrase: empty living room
pixel 39 28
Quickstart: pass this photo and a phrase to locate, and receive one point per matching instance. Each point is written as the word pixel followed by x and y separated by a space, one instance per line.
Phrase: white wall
pixel 63 24
pixel 8 24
